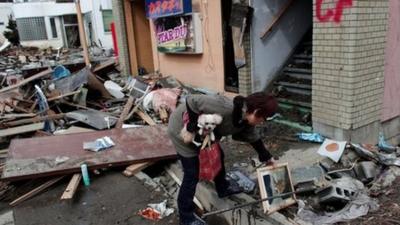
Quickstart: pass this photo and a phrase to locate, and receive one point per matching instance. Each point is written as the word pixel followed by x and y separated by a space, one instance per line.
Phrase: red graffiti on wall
pixel 335 13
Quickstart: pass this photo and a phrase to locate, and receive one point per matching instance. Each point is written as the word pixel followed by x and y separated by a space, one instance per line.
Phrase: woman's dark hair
pixel 263 104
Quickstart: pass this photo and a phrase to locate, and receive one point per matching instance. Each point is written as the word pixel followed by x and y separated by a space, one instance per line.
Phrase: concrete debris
pixel 51 92
pixel 359 206
pixel 246 184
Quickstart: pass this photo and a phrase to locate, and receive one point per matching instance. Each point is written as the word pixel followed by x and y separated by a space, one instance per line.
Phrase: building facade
pixel 348 75
pixel 51 24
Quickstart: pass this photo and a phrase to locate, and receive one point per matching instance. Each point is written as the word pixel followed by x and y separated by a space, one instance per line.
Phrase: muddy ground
pixel 277 138
pixel 111 199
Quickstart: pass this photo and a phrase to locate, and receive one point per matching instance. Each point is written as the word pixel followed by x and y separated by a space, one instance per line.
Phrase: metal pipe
pixel 247 204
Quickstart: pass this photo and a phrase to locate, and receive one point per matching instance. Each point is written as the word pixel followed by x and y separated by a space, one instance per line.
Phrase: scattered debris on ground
pixel 53 107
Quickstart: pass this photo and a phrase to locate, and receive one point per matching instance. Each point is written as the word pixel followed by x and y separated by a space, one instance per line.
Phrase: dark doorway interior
pixel 231 71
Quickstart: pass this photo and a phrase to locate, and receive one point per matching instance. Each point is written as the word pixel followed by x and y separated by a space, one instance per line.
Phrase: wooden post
pixel 130 33
pixel 82 34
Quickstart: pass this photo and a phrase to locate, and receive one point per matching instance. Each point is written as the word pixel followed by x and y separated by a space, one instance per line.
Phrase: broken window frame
pixel 32 28
pixel 107 20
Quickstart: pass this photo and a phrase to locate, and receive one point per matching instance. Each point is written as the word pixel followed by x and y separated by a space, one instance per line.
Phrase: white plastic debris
pixel 162 209
pixel 332 149
pixel 99 144
pixel 61 159
pixel 114 89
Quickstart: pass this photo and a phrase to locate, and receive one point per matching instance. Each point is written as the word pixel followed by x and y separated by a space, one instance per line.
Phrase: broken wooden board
pixel 21 129
pixel 35 191
pixel 104 65
pixel 134 168
pixel 125 112
pixel 72 187
pixel 27 80
pixel 56 155
pixel 73 130
pixel 146 117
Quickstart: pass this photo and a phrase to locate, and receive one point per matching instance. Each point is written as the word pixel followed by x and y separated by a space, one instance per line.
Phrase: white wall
pixel 98 25
pixel 52 9
pixel 40 9
pixel 5 11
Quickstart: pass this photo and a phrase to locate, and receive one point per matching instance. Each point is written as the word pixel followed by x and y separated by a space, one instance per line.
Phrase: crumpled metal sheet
pixel 94 118
pixel 358 207
pixel 73 82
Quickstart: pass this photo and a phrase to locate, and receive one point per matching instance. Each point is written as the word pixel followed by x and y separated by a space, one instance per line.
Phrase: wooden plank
pixel 64 95
pixel 145 117
pixel 125 112
pixel 27 80
pixel 17 115
pixel 135 168
pixel 21 129
pixel 35 191
pixel 141 26
pixel 163 114
pixel 73 130
pixel 130 33
pixel 104 65
pixel 3 151
pixel 82 33
pixel 33 120
pixel 72 187
pixel 30 158
pixel 276 19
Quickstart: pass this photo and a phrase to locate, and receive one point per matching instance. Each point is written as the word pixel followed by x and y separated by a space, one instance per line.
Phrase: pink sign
pixel 174 34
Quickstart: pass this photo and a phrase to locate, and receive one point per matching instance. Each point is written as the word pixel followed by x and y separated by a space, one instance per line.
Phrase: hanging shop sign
pixel 179 34
pixel 162 8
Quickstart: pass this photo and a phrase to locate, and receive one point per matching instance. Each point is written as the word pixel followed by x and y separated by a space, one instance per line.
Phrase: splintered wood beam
pixel 21 129
pixel 146 118
pixel 125 112
pixel 35 191
pixel 135 168
pixel 72 187
pixel 27 80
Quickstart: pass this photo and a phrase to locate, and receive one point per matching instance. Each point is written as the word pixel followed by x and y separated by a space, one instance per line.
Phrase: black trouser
pixel 187 191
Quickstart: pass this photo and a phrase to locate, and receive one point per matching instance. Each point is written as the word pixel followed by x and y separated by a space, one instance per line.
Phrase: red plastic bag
pixel 210 162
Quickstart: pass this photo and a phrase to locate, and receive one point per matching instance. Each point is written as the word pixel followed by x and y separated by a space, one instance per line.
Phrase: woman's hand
pixel 271 162
pixel 187 136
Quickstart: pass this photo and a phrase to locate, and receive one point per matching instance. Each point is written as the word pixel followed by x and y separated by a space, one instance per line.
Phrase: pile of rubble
pixel 93 106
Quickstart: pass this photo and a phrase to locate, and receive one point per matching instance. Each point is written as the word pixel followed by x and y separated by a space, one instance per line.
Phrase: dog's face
pixel 209 121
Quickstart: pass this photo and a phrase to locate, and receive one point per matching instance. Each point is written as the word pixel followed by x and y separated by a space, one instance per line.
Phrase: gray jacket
pixel 205 104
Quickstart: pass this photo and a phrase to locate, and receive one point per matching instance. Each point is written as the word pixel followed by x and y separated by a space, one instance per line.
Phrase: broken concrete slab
pixel 7 218
pixel 37 157
pixel 244 216
pixel 301 157
pixel 366 171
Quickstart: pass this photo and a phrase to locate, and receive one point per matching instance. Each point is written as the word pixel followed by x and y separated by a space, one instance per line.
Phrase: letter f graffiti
pixel 335 13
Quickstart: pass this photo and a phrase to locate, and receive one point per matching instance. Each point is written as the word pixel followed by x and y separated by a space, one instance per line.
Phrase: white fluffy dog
pixel 207 124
